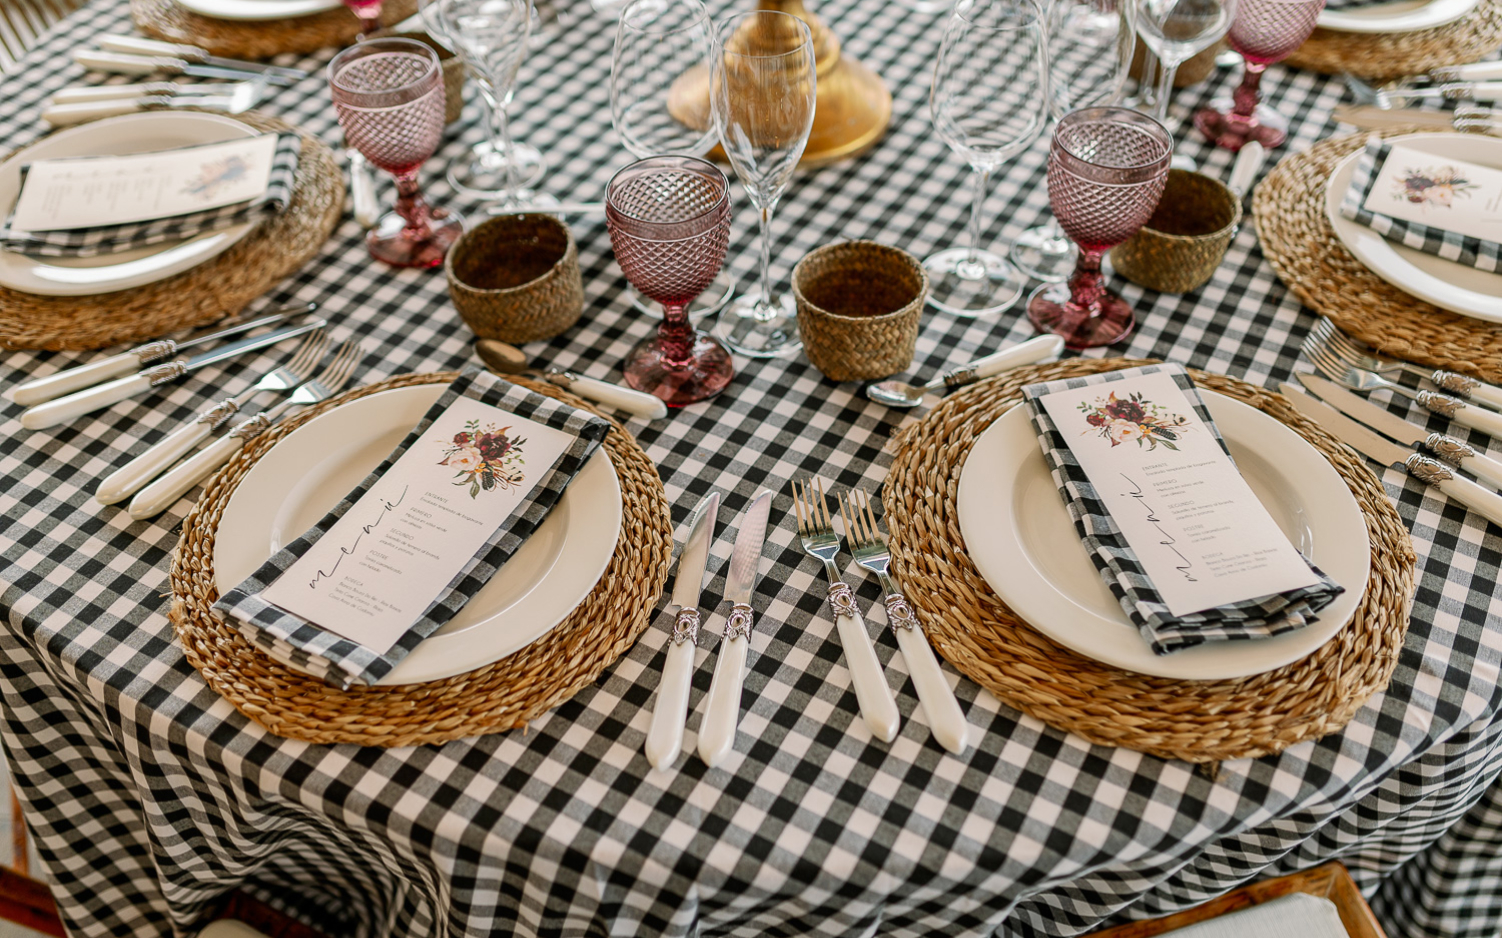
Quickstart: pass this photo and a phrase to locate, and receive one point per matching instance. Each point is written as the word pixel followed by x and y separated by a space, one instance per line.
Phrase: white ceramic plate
pixel 316 465
pixel 117 136
pixel 1446 284
pixel 259 9
pixel 1401 17
pixel 1022 541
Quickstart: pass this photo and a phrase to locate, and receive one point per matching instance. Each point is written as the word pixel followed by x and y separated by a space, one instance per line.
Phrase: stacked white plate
pixel 253 10
pixel 1403 16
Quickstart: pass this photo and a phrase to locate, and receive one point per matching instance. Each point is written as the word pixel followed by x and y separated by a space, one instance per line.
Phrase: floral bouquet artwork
pixel 485 459
pixel 1135 418
pixel 1425 187
pixel 214 174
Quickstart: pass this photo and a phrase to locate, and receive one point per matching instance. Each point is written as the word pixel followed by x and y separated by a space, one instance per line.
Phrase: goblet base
pixel 1044 253
pixel 1050 309
pixel 971 284
pixel 1224 129
pixel 389 243
pixel 758 328
pixel 485 173
pixel 705 374
pixel 713 297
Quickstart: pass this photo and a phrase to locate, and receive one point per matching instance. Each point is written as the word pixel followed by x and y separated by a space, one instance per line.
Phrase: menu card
pixel 1415 186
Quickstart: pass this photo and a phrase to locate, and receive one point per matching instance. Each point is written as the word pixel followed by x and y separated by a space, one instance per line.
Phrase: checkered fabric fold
pixel 1431 239
pixel 344 663
pixel 1119 568
pixel 111 239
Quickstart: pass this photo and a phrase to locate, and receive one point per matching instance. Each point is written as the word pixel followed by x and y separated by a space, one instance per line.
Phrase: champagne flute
pixel 1090 45
pixel 762 83
pixel 989 103
pixel 1176 31
pixel 1263 32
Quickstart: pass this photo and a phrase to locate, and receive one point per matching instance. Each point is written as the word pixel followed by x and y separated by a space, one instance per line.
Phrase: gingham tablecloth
pixel 150 797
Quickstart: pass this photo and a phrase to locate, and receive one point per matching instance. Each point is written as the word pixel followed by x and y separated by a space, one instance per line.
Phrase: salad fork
pixel 816 533
pixel 871 553
pixel 1359 379
pixel 1358 355
pixel 159 495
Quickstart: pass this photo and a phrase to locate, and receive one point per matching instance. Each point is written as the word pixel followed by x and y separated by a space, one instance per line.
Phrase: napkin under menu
pixel 401 554
pixel 1177 535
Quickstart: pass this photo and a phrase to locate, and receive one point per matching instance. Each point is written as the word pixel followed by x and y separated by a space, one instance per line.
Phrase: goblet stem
pixel 676 336
pixel 412 207
pixel 498 132
pixel 1248 93
pixel 1166 75
pixel 764 310
pixel 1087 284
pixel 977 206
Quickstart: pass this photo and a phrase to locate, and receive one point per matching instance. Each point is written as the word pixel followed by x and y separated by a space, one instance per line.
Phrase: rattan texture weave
pixel 1289 208
pixel 1393 55
pixel 500 696
pixel 276 248
pixel 259 39
pixel 1197 721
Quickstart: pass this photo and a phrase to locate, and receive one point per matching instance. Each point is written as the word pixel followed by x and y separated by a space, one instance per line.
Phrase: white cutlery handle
pixel 152 463
pixel 66 115
pixel 1484 468
pixel 1030 352
pixel 722 708
pixel 180 479
pixel 1472 71
pixel 1484 502
pixel 82 93
pixel 945 718
pixel 362 191
pixel 123 64
pixel 878 706
pixel 1247 167
pixel 665 736
pixel 75 379
pixel 136 45
pixel 1477 392
pixel 1488 394
pixel 74 405
pixel 1475 417
pixel 1484 91
pixel 639 403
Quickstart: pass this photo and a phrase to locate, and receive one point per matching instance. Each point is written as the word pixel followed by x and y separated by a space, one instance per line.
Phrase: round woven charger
pixel 1393 55
pixel 1289 208
pixel 260 39
pixel 277 247
pixel 1197 721
pixel 499 696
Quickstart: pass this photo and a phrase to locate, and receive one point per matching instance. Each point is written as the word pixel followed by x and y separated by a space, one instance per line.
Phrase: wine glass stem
pixel 1166 75
pixel 499 133
pixel 1248 93
pixel 411 206
pixel 764 309
pixel 1087 285
pixel 675 337
pixel 977 212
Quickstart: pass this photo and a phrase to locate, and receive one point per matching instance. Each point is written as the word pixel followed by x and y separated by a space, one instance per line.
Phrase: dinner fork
pixel 152 463
pixel 1359 355
pixel 1359 379
pixel 945 719
pixel 816 533
pixel 165 491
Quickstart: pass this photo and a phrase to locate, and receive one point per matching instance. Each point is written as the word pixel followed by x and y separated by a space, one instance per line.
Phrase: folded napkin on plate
pixel 110 239
pixel 1118 566
pixel 1434 186
pixel 341 662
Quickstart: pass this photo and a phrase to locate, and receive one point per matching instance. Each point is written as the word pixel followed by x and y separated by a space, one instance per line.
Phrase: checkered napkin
pixel 109 239
pixel 1118 566
pixel 341 662
pixel 1431 239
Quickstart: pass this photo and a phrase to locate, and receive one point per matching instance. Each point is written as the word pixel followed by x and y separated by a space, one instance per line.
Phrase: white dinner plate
pixel 117 136
pixel 1020 536
pixel 259 9
pixel 316 465
pixel 1446 284
pixel 1403 16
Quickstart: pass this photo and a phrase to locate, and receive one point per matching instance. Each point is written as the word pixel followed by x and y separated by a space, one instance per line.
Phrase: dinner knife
pixel 139 46
pixel 74 405
pixel 78 94
pixel 1369 444
pixel 722 708
pixel 665 736
pixel 66 115
pixel 85 376
pixel 1446 448
pixel 125 64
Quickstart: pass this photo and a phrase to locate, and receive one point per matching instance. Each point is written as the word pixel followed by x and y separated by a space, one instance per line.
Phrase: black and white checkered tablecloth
pixel 150 796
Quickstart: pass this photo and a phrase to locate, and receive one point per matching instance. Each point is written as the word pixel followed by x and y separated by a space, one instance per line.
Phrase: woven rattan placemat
pixel 260 39
pixel 1392 55
pixel 499 696
pixel 1289 208
pixel 222 285
pixel 1198 721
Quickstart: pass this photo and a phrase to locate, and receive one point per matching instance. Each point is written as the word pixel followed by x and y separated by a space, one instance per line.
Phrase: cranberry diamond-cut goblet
pixel 1264 32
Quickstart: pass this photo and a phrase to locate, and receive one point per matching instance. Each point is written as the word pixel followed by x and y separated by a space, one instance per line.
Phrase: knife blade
pixel 74 405
pixel 1368 443
pixel 1445 448
pixel 665 735
pixel 139 46
pixel 722 708
pixel 125 64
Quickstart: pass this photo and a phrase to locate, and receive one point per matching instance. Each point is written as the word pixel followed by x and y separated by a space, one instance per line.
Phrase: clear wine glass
pixel 669 222
pixel 1106 171
pixel 989 103
pixel 1090 45
pixel 1176 31
pixel 662 53
pixel 762 84
pixel 1263 32
pixel 389 97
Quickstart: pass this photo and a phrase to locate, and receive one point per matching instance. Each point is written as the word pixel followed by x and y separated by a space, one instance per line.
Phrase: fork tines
pixel 308 353
pixel 860 521
pixel 813 516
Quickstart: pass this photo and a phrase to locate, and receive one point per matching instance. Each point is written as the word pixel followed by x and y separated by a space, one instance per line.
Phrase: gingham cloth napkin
pixel 341 662
pixel 1431 239
pixel 1118 566
pixel 110 239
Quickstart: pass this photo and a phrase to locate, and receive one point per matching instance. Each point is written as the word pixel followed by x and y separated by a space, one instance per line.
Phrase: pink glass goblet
pixel 389 95
pixel 369 14
pixel 1106 171
pixel 669 221
pixel 1264 32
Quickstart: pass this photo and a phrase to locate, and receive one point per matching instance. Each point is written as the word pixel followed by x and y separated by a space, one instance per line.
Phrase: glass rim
pixel 962 6
pixel 701 19
pixel 364 49
pixel 1144 122
pixel 723 30
pixel 721 204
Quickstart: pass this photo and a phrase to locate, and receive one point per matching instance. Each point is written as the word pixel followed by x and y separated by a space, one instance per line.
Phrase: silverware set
pixel 85 103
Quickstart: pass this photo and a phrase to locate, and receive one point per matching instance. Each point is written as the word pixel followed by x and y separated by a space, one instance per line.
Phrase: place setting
pixel 260 29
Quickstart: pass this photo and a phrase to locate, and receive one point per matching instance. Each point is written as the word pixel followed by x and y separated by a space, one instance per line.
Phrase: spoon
pixel 503 359
pixel 899 394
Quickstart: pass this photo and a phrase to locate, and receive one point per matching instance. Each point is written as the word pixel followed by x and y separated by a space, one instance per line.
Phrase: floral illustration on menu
pixel 214 174
pixel 1134 419
pixel 1432 186
pixel 485 459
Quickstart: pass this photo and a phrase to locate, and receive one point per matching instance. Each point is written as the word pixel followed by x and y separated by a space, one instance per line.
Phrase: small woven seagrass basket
pixel 1183 243
pixel 516 278
pixel 858 308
